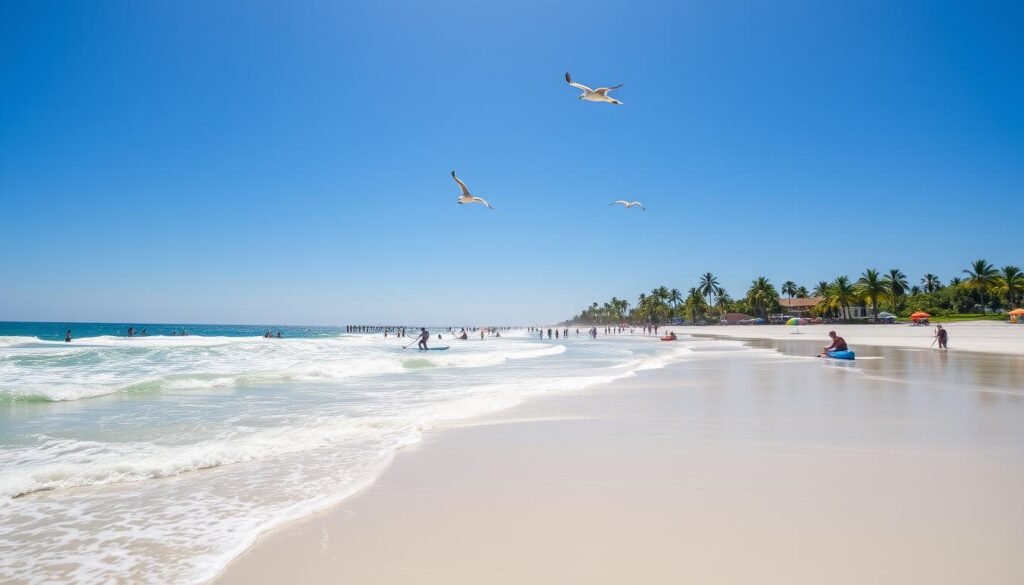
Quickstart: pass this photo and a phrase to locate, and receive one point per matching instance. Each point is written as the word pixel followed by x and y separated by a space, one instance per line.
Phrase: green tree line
pixel 980 288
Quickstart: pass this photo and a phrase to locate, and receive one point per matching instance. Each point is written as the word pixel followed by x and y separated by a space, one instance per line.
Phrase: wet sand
pixel 732 467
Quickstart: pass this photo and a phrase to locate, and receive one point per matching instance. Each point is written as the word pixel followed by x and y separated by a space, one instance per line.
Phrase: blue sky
pixel 289 162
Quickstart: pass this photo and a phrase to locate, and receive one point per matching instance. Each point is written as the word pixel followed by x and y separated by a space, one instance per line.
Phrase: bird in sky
pixel 628 204
pixel 468 197
pixel 594 95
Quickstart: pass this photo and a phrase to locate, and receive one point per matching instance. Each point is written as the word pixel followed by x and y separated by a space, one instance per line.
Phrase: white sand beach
pixel 737 466
pixel 983 336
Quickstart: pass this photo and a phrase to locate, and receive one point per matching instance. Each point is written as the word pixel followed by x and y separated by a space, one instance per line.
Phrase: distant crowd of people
pixel 554 333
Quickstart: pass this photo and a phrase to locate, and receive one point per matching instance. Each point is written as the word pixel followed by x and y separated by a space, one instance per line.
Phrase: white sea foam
pixel 204 443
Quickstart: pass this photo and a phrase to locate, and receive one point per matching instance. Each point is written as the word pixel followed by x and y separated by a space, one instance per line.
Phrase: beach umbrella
pixel 1016 312
pixel 796 322
pixel 920 315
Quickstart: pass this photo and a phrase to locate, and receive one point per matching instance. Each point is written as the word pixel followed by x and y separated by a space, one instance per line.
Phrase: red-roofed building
pixel 799 307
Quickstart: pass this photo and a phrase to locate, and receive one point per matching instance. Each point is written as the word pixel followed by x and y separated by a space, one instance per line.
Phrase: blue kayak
pixel 842 355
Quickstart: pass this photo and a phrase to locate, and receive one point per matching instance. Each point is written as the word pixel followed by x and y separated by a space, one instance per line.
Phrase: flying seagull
pixel 628 204
pixel 467 197
pixel 594 95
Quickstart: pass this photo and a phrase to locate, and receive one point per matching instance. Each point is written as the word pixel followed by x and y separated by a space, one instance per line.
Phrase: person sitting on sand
pixel 942 335
pixel 838 343
pixel 424 337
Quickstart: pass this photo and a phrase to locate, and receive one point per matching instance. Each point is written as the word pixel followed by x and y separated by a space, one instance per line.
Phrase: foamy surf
pixel 167 456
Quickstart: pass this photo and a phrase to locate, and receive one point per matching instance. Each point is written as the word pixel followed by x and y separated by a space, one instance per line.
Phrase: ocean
pixel 160 458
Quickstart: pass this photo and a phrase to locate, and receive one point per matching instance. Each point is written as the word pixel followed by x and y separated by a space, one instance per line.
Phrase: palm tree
pixel 615 307
pixel 956 281
pixel 696 306
pixel 801 292
pixel 896 286
pixel 981 276
pixel 872 287
pixel 675 297
pixel 1010 283
pixel 841 293
pixel 931 283
pixel 709 286
pixel 915 290
pixel 722 301
pixel 789 289
pixel 762 294
pixel 821 289
pixel 657 303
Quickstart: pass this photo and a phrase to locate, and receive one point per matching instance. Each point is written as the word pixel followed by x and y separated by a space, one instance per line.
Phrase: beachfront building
pixel 799 307
pixel 802 308
pixel 733 318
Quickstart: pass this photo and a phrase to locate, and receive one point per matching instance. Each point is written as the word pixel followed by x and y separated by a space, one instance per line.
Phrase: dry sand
pixel 983 336
pixel 727 469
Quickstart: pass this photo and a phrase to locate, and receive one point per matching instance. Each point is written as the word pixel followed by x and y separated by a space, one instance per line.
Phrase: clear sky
pixel 289 162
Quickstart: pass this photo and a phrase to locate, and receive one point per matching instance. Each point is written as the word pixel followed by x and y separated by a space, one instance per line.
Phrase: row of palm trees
pixel 838 296
pixel 873 287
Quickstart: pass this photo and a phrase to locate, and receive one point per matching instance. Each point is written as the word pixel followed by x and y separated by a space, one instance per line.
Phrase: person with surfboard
pixel 838 344
pixel 424 336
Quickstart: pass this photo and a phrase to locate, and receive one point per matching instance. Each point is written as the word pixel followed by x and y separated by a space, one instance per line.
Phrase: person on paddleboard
pixel 838 343
pixel 424 336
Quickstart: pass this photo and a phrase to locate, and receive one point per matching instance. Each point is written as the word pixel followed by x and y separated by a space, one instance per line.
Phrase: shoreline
pixel 546 490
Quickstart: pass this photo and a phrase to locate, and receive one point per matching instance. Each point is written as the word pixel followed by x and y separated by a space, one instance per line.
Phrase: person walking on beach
pixel 424 337
pixel 942 335
pixel 838 343
pixel 67 337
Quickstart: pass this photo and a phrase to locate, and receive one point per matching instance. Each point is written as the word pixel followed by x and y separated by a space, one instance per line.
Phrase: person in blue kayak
pixel 424 336
pixel 838 343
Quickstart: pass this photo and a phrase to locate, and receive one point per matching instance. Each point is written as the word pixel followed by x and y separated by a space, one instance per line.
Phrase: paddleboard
pixel 445 348
pixel 667 338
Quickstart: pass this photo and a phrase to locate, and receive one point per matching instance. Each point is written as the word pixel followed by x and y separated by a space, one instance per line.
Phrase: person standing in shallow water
pixel 67 337
pixel 942 335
